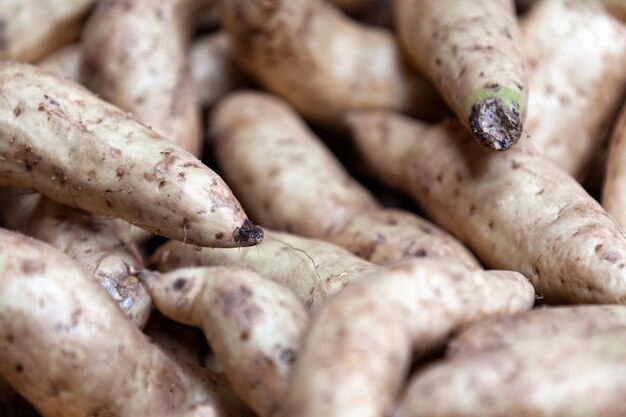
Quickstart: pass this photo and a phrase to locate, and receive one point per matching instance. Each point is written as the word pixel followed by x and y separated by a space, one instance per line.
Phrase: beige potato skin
pixel 214 72
pixel 558 376
pixel 359 345
pixel 311 268
pixel 64 142
pixel 515 210
pixel 70 351
pixel 542 323
pixel 252 325
pixel 473 52
pixel 102 245
pixel 613 198
pixel 134 56
pixel 322 62
pixel 30 29
pixel 577 58
pixel 288 180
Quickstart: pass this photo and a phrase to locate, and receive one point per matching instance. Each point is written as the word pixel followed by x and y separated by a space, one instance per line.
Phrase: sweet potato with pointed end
pixel 358 347
pixel 571 106
pixel 311 268
pixel 322 62
pixel 102 245
pixel 613 198
pixel 574 376
pixel 60 139
pixel 543 323
pixel 30 29
pixel 288 180
pixel 515 209
pixel 135 56
pixel 473 53
pixel 252 325
pixel 69 350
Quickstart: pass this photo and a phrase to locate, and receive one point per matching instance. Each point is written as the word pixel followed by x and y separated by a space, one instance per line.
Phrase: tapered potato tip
pixel 248 234
pixel 495 124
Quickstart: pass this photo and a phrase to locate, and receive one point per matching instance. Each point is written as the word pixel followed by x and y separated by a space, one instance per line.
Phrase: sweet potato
pixel 102 245
pixel 252 325
pixel 134 56
pixel 473 53
pixel 515 209
pixel 66 62
pixel 574 376
pixel 544 323
pixel 613 198
pixel 358 347
pixel 322 62
pixel 63 141
pixel 571 106
pixel 311 268
pixel 70 351
pixel 30 29
pixel 288 180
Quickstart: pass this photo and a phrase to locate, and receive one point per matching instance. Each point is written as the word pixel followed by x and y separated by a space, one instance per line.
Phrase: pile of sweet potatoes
pixel 312 208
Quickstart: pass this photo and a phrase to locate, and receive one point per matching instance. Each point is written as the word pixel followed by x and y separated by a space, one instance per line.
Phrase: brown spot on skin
pixel 420 253
pixel 610 256
pixel 191 165
pixel 149 176
pixel 218 236
pixel 162 183
pixel 32 266
pixel 119 173
pixel 540 192
pixel 438 61
pixel 490 224
pixel 288 356
pixel 472 210
pixel 515 164
pixel 179 284
pixel 598 247
pixel 59 174
pixel 439 177
pixel 237 304
pixel 181 176
pixel 166 162
pixel 114 152
pixel 17 111
pixel 19 368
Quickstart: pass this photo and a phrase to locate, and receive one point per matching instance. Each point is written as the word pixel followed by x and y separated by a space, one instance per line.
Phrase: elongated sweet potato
pixel 613 198
pixel 473 53
pixel 69 350
pixel 311 268
pixel 30 29
pixel 543 323
pixel 515 209
pixel 288 180
pixel 575 376
pixel 571 106
pixel 358 347
pixel 63 141
pixel 102 245
pixel 252 325
pixel 322 62
pixel 134 56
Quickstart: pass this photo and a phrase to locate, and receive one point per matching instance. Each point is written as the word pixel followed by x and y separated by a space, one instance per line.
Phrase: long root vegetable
pixel 322 62
pixel 571 106
pixel 515 209
pixel 70 351
pixel 63 141
pixel 473 53
pixel 150 78
pixel 252 325
pixel 288 180
pixel 311 268
pixel 544 323
pixel 613 198
pixel 102 245
pixel 357 350
pixel 570 376
pixel 30 29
